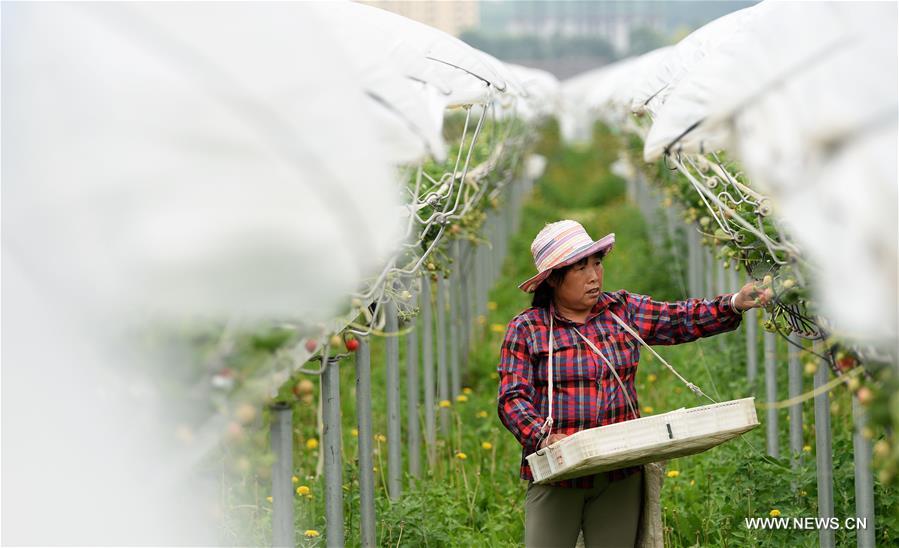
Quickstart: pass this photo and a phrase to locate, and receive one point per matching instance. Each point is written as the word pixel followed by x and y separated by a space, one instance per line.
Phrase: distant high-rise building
pixel 452 17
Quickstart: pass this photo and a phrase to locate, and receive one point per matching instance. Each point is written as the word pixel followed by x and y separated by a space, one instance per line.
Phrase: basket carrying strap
pixel 546 429
pixel 611 367
pixel 696 390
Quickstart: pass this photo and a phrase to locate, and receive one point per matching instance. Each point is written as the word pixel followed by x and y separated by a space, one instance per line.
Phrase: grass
pixel 479 500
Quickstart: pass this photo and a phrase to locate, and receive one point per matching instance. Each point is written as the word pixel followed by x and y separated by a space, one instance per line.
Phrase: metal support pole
pixel 282 469
pixel 394 432
pixel 455 376
pixel 413 430
pixel 692 264
pixel 795 388
pixel 733 284
pixel 442 371
pixel 823 455
pixel 751 323
pixel 720 278
pixel 733 280
pixel 465 304
pixel 770 340
pixel 427 350
pixel 367 525
pixel 332 452
pixel 864 481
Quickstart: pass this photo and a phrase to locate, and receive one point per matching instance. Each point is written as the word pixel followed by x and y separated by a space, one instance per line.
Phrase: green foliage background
pixel 479 501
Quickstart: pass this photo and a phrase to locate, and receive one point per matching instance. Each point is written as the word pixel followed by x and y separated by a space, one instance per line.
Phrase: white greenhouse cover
pixel 804 95
pixel 818 134
pixel 172 159
pixel 579 99
pixel 542 92
pixel 652 85
pixel 602 94
pixel 423 53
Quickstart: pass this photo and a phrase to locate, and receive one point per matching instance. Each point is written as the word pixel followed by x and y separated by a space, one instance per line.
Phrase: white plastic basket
pixel 648 439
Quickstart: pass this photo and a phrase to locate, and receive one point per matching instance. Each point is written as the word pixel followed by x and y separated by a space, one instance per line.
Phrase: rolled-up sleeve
pixel 517 394
pixel 665 323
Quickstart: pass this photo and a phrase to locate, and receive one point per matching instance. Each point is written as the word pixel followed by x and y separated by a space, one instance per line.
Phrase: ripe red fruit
pixel 846 362
pixel 352 344
pixel 311 345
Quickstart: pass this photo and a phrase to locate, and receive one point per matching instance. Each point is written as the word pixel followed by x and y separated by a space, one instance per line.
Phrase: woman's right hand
pixel 553 438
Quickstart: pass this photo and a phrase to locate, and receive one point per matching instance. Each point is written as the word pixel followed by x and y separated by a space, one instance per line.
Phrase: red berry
pixel 311 345
pixel 845 363
pixel 352 345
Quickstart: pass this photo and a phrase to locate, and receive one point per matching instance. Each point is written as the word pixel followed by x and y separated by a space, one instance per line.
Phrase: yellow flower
pixel 294 479
pixel 774 513
pixel 467 390
pixel 692 483
pixel 482 320
pixel 374 468
pixel 673 473
pixel 652 377
pixel 311 533
pixel 491 305
pixel 303 490
pixel 312 443
pixel 268 499
pixel 354 432
pixel 461 456
pixel 445 403
pixel 381 438
pixel 802 493
pixel 461 398
pixel 482 414
pixel 498 328
pixel 807 448
pixel 487 446
pixel 647 409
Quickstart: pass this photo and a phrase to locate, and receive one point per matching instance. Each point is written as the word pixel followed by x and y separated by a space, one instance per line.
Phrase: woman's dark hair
pixel 544 293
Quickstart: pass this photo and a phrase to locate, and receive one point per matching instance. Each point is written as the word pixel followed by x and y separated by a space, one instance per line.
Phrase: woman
pixel 568 299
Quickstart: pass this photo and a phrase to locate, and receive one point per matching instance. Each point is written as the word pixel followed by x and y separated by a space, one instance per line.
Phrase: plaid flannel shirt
pixel 585 393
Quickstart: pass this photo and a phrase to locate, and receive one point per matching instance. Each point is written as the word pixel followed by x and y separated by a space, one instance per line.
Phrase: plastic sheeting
pixel 654 83
pixel 542 92
pixel 602 94
pixel 817 132
pixel 804 95
pixel 161 160
pixel 172 157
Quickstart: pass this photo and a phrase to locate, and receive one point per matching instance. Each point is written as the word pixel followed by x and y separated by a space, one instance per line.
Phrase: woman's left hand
pixel 753 295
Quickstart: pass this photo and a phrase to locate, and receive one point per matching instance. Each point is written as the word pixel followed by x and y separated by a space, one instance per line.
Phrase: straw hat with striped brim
pixel 561 244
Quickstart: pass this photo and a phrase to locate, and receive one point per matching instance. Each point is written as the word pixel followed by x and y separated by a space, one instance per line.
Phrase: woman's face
pixel 582 284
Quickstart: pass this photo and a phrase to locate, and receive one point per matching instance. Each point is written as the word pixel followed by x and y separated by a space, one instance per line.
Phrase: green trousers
pixel 609 513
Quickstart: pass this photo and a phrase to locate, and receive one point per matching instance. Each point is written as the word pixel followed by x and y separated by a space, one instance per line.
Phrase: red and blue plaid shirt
pixel 585 393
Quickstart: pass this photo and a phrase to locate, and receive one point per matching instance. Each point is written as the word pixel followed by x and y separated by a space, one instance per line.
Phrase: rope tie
pixel 695 389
